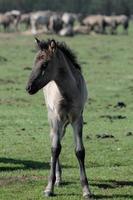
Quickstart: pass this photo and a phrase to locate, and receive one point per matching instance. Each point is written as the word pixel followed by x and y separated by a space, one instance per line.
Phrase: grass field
pixel 107 64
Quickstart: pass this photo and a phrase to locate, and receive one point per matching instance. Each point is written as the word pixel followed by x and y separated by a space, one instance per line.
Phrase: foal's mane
pixel 69 54
pixel 65 49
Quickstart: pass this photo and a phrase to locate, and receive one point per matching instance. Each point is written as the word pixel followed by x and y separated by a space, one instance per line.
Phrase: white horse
pixel 40 18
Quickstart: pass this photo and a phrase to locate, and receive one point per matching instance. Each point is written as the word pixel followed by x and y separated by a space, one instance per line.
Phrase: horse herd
pixel 63 24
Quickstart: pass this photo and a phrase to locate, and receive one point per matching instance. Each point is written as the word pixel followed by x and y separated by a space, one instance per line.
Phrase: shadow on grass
pixel 114 196
pixel 69 194
pixel 25 164
pixel 106 184
pixel 113 184
pixel 65 183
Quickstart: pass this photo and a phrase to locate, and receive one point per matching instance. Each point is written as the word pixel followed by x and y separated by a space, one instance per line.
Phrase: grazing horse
pixel 6 21
pixel 16 15
pixel 25 19
pixel 69 18
pixel 81 29
pixel 40 18
pixel 122 20
pixel 94 22
pixel 67 31
pixel 55 23
pixel 110 22
pixel 57 71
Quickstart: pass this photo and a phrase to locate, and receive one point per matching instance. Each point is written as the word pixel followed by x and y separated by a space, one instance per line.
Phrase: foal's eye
pixel 45 64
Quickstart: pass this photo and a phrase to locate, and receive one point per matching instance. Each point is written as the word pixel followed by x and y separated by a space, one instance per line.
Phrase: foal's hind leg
pixel 58 165
pixel 55 151
pixel 80 153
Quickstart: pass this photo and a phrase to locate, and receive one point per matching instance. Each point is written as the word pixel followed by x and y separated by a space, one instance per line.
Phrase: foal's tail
pixel 85 92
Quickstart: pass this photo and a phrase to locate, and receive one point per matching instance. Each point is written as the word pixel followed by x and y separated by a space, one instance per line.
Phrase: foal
pixel 56 71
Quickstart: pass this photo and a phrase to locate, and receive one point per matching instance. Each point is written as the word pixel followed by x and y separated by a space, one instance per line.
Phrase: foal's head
pixel 43 69
pixel 51 63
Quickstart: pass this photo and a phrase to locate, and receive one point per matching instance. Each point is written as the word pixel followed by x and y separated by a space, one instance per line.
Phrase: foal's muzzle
pixel 31 90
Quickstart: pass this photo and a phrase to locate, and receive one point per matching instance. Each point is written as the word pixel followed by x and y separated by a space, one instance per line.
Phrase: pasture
pixel 107 64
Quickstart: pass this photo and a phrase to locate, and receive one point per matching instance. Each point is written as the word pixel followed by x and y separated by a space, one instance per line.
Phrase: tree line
pixel 107 7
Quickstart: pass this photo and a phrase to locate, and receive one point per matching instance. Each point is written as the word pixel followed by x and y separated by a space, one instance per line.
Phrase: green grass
pixel 107 63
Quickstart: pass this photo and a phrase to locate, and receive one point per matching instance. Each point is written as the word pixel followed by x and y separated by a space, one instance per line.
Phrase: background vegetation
pixel 85 6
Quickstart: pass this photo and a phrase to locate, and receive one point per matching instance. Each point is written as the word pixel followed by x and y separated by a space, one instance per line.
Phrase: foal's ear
pixel 52 45
pixel 38 42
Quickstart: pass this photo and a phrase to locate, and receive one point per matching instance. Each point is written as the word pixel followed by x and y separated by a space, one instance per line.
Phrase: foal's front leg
pixel 55 151
pixel 80 154
pixel 58 173
pixel 58 165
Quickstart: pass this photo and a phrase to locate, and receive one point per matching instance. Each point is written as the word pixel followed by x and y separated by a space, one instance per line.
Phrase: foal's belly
pixel 52 96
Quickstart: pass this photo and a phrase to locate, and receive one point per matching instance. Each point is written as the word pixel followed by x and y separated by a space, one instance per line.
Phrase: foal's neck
pixel 66 80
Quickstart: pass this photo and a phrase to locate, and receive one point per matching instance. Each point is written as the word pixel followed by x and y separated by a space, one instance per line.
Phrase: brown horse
pixel 25 19
pixel 57 71
pixel 6 21
pixel 10 18
pixel 109 22
pixel 16 15
pixel 94 22
pixel 122 20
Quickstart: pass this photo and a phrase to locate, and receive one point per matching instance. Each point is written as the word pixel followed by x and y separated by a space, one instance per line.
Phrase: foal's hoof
pixel 58 183
pixel 88 197
pixel 48 193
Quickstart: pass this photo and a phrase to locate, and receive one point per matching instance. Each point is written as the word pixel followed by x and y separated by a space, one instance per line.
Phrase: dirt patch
pixel 28 32
pixel 129 134
pixel 106 57
pixel 104 136
pixel 3 59
pixel 109 106
pixel 12 89
pixel 15 101
pixel 108 184
pixel 6 81
pixel 88 137
pixel 23 129
pixel 114 117
pixel 120 104
pixel 8 35
pixel 19 179
pixel 27 68
pixel 84 122
pixel 90 100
